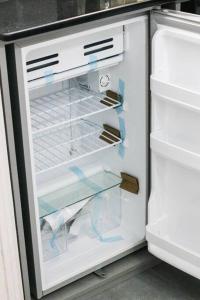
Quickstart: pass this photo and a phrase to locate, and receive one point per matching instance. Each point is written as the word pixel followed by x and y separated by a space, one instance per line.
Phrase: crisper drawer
pixel 69 52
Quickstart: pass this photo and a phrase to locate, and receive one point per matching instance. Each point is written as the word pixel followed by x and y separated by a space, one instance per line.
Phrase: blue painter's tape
pixel 92 62
pixel 46 206
pixel 80 174
pixel 122 127
pixel 123 136
pixel 121 92
pixel 49 76
pixel 94 222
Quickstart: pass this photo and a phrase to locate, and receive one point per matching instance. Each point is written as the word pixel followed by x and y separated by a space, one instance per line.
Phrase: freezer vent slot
pixel 98 46
pixel 42 62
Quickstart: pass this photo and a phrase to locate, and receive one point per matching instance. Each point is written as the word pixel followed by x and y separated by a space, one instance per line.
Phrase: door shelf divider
pixel 70 142
pixel 66 106
pixel 175 94
pixel 171 247
pixel 82 189
pixel 174 152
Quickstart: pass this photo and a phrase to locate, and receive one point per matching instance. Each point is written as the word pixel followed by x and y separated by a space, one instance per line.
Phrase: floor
pixel 161 282
pixel 137 276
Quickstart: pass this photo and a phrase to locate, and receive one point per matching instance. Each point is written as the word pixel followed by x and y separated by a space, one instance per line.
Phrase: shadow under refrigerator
pixel 83 145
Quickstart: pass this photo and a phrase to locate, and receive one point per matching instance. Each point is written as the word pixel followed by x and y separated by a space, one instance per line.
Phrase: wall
pixel 10 274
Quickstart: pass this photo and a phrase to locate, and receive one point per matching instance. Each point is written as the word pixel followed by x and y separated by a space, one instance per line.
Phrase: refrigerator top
pixel 23 18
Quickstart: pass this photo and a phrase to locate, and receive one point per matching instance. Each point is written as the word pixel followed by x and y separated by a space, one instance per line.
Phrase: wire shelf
pixel 66 106
pixel 67 143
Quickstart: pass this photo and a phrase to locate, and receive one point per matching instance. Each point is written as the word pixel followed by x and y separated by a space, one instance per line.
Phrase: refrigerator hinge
pixel 101 273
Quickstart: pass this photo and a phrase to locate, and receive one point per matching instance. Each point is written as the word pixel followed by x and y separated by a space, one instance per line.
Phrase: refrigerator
pixel 106 121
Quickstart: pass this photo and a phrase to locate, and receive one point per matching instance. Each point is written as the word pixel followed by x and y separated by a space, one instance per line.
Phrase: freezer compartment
pixel 174 206
pixel 176 116
pixel 176 58
pixel 65 53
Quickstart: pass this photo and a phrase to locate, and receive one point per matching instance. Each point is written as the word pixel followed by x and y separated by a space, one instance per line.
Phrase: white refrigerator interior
pixel 173 223
pixel 86 100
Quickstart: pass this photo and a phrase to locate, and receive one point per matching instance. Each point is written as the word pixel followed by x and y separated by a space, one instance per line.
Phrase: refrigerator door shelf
pixel 171 252
pixel 175 57
pixel 173 93
pixel 174 152
pixel 176 115
pixel 174 205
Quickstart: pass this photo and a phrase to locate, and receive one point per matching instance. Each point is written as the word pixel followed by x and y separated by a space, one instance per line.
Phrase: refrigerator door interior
pixel 174 206
pixel 83 101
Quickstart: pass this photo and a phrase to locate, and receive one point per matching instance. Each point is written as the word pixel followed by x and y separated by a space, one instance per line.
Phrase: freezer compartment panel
pixel 70 52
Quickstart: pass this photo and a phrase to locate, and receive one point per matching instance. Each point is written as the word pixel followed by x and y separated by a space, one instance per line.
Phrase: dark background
pixel 192 6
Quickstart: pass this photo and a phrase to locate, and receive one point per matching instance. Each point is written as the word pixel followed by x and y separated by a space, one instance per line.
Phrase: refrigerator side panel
pixel 6 104
pixel 9 260
pixel 18 103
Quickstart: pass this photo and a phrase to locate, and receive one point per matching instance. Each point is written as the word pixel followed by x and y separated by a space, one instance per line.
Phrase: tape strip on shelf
pixel 92 61
pixel 119 110
pixel 49 76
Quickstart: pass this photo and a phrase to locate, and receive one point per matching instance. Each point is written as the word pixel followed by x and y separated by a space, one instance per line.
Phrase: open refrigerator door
pixel 172 231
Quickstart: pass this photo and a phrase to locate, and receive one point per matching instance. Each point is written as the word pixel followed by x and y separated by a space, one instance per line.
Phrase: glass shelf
pixel 68 105
pixel 76 192
pixel 68 143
